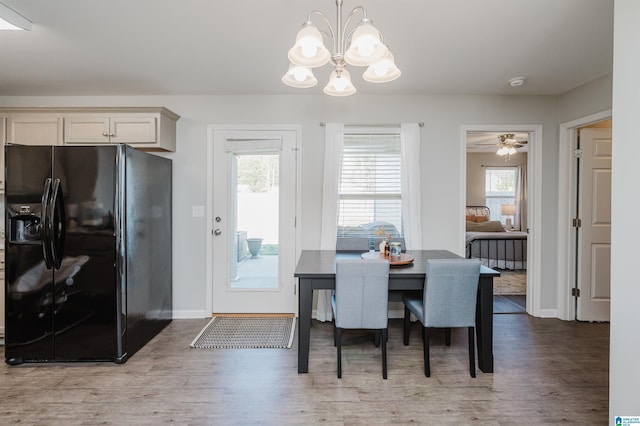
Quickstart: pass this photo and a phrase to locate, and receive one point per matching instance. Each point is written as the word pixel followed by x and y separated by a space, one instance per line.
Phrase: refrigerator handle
pixel 57 221
pixel 44 227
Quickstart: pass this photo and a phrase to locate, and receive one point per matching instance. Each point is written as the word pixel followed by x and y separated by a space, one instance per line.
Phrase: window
pixel 370 188
pixel 500 188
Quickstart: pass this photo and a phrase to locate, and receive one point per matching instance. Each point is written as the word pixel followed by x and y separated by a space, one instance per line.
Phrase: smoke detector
pixel 517 81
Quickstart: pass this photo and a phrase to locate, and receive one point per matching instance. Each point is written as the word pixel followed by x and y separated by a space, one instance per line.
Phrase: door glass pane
pixel 254 257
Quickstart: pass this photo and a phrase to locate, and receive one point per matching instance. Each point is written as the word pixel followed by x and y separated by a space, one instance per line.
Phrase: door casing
pixel 566 275
pixel 211 129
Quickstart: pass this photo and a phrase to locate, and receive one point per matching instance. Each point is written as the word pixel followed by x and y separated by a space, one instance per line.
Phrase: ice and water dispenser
pixel 24 223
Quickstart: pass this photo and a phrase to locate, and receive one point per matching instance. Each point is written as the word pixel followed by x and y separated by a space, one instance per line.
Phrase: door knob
pixel 217 232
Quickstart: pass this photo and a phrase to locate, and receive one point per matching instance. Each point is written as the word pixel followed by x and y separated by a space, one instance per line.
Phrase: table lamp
pixel 508 210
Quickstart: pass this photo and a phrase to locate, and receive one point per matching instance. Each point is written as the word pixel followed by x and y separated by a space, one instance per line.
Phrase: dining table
pixel 316 270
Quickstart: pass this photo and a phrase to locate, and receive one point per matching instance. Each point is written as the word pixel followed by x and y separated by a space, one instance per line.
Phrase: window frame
pixel 496 213
pixel 370 233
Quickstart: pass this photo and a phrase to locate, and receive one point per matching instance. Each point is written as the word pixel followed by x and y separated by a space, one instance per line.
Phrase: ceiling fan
pixel 508 144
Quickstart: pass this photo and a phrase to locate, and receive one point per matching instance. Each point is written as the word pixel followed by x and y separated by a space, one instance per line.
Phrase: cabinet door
pixel 36 129
pixel 89 129
pixel 133 130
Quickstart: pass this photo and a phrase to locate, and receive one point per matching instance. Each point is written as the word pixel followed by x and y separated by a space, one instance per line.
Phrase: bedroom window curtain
pixel 521 199
pixel 334 143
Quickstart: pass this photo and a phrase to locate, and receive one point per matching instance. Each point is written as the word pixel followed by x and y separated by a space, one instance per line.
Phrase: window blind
pixel 370 185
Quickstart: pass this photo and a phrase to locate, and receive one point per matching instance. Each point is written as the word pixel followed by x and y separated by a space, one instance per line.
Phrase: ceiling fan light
pixel 299 77
pixel 511 150
pixel 339 85
pixel 366 46
pixel 502 151
pixel 383 71
pixel 309 50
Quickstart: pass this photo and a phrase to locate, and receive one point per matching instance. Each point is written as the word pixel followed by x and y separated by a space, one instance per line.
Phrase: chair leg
pixel 447 336
pixel 339 346
pixel 472 352
pixel 425 339
pixel 335 338
pixel 407 325
pixel 376 338
pixel 384 352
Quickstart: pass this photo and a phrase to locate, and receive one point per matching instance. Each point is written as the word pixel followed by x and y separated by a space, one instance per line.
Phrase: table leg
pixel 305 302
pixel 484 324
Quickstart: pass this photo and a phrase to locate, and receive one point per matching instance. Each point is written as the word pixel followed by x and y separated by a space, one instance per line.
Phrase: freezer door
pixel 83 235
pixel 29 288
pixel 146 247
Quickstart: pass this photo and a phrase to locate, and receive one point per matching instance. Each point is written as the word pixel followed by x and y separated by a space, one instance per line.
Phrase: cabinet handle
pixel 112 135
pixel 105 134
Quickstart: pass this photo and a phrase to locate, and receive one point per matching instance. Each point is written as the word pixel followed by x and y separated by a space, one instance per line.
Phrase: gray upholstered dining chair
pixel 448 301
pixel 352 244
pixel 361 301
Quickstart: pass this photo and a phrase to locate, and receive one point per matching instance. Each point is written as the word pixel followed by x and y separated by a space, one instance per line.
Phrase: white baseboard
pixel 188 314
pixel 549 313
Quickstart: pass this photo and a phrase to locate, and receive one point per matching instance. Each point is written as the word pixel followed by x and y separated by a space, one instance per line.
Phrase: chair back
pixel 352 244
pixel 362 293
pixel 450 292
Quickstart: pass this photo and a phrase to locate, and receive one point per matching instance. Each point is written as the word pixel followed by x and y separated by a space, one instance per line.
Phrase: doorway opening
pixel 253 203
pixel 584 218
pixel 505 189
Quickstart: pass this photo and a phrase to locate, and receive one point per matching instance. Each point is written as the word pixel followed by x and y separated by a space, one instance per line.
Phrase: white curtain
pixel 411 217
pixel 334 143
pixel 521 199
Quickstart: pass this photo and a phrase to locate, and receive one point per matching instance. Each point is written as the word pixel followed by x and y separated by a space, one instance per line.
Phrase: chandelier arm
pixel 331 33
pixel 343 30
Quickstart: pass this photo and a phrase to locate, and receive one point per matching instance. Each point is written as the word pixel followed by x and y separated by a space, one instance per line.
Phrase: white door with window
pixel 594 234
pixel 254 221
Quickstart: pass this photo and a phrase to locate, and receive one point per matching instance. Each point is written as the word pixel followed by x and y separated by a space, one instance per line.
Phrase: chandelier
pixel 362 45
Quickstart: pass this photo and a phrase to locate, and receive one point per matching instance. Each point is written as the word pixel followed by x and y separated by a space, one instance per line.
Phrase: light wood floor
pixel 546 371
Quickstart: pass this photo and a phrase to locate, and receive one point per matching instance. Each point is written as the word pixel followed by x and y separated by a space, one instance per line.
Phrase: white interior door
pixel 254 205
pixel 594 236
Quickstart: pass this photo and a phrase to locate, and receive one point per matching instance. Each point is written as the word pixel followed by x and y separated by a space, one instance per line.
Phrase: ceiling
pixel 229 47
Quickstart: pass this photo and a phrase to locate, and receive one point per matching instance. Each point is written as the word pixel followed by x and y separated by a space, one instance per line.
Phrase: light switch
pixel 197 211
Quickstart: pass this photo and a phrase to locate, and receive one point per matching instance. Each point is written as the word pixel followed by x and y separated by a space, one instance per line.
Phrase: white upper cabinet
pixel 150 129
pixel 34 129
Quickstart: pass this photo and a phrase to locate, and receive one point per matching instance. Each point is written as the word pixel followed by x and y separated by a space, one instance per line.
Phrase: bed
pixel 488 241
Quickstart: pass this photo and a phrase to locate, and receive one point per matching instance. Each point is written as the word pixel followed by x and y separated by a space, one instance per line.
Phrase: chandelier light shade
pixel 309 50
pixel 299 77
pixel 12 20
pixel 382 71
pixel 366 46
pixel 339 84
pixel 361 45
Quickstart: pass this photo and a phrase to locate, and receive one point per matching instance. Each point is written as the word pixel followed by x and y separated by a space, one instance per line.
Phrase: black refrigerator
pixel 87 252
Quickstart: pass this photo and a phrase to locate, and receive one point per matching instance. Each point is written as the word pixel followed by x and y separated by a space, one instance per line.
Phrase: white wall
pixel 442 151
pixel 625 203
